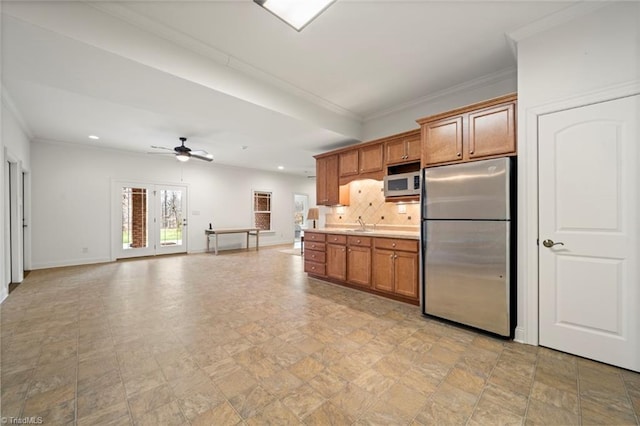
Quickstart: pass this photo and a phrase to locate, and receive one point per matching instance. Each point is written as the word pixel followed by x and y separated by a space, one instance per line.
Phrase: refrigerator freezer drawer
pixel 466 273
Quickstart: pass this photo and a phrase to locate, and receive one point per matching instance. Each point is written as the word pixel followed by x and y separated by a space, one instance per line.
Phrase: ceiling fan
pixel 183 153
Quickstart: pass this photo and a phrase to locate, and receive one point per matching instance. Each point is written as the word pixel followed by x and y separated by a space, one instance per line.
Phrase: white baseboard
pixel 519 335
pixel 4 293
pixel 70 262
pixel 242 246
pixel 85 261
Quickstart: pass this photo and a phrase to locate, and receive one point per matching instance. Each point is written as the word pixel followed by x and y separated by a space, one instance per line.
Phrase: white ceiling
pixel 235 80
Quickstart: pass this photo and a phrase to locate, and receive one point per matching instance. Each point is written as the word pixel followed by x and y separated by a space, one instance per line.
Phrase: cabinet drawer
pixel 315 256
pixel 359 241
pixel 312 245
pixel 314 236
pixel 397 244
pixel 314 268
pixel 336 239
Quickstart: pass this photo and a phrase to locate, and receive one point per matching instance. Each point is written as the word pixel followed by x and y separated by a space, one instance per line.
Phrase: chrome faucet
pixel 363 226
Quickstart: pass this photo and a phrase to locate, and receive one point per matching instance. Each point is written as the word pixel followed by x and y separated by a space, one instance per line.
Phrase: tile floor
pixel 247 338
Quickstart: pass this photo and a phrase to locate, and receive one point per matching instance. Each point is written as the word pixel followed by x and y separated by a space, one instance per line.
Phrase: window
pixel 262 210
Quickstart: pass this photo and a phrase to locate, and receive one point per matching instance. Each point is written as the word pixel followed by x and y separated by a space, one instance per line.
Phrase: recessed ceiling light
pixel 280 167
pixel 94 137
pixel 296 13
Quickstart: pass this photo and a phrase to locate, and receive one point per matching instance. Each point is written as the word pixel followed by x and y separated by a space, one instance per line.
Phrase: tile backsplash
pixel 367 202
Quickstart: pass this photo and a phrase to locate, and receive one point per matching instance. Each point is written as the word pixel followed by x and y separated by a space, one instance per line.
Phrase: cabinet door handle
pixel 395 256
pixel 342 249
pixel 471 152
pixel 390 256
pixel 458 154
pixel 393 245
pixel 349 250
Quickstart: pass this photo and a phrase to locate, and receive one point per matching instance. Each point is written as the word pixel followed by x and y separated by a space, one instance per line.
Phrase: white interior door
pixel 151 219
pixel 589 289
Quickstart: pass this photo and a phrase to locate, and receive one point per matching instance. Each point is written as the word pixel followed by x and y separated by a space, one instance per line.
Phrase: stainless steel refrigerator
pixel 468 245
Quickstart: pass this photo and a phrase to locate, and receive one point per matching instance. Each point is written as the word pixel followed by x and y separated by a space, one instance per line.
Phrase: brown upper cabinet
pixel 328 189
pixel 363 162
pixel 483 130
pixel 404 149
pixel 371 158
pixel 349 163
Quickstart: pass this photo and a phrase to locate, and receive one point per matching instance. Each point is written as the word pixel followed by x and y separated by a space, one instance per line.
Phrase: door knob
pixel 550 243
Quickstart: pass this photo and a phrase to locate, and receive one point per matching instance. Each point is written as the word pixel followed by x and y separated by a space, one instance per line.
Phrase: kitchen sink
pixel 361 230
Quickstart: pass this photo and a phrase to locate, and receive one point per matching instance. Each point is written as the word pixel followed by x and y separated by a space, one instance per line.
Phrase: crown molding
pixel 7 101
pixel 554 20
pixel 476 83
pixel 149 25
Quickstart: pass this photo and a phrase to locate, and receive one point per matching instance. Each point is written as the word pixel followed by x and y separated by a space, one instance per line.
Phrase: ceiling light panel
pixel 296 13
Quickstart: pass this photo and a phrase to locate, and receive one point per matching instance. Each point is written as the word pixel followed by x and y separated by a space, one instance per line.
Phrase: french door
pixel 589 231
pixel 151 219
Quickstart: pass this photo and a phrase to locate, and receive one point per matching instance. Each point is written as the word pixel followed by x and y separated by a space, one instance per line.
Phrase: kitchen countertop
pixel 387 233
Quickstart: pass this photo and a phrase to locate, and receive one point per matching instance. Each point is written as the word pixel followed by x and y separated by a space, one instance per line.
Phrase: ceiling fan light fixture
pixel 182 156
pixel 298 14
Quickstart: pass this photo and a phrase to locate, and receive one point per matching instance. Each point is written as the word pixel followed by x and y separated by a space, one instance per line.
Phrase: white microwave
pixel 402 185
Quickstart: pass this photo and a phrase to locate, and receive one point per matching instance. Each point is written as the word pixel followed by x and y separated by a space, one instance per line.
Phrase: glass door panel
pixel 171 219
pixel 150 219
pixel 135 238
pixel 135 218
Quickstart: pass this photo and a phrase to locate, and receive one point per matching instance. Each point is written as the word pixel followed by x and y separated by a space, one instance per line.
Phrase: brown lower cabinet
pixel 315 253
pixel 359 261
pixel 337 261
pixel 349 259
pixel 386 266
pixel 395 266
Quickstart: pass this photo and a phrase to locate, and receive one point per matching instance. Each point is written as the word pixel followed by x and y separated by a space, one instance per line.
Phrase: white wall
pixel 466 94
pixel 568 64
pixel 71 189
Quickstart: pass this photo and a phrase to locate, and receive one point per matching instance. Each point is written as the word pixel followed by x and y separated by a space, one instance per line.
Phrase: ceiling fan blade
pixel 161 153
pixel 206 157
pixel 161 147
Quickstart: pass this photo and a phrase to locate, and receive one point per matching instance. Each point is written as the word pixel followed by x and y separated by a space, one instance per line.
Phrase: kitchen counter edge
pixel 408 235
